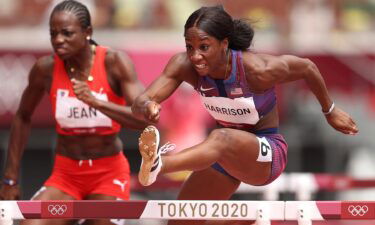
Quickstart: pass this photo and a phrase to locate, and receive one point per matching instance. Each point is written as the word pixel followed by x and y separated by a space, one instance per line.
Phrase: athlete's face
pixel 206 53
pixel 67 35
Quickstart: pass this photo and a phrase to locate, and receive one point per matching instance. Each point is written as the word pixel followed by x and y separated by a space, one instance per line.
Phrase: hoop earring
pixel 226 51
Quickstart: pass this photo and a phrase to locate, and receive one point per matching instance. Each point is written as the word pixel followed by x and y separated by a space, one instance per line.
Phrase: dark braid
pixel 79 10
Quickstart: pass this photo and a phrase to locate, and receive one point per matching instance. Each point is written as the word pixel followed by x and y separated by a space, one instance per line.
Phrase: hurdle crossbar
pixel 300 183
pixel 261 211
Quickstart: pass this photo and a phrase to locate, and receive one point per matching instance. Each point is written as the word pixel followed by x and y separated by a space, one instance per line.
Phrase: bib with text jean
pixel 73 113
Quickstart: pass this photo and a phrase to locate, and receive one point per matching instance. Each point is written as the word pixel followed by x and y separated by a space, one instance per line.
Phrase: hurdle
pixel 303 185
pixel 262 212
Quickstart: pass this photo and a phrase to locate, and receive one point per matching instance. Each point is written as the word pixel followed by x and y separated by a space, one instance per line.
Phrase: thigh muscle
pixel 240 157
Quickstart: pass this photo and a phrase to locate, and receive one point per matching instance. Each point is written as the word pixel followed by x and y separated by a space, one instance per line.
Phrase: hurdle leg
pixel 5 210
pixel 6 222
pixel 303 218
pixel 263 216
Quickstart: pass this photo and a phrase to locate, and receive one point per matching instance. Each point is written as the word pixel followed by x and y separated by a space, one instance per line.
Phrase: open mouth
pixel 60 50
pixel 200 66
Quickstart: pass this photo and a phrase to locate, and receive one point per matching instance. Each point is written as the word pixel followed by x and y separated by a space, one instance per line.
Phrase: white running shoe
pixel 150 152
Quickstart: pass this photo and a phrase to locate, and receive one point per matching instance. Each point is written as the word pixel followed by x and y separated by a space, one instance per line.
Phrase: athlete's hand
pixel 8 192
pixel 151 111
pixel 342 121
pixel 82 91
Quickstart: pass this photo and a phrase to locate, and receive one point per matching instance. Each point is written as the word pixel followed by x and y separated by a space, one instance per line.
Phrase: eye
pixel 189 48
pixel 204 47
pixel 52 34
pixel 67 33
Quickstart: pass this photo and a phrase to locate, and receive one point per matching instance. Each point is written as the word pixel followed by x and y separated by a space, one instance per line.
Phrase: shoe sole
pixel 148 146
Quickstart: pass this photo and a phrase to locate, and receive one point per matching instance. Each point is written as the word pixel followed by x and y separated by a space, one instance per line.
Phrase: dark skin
pixel 235 150
pixel 69 41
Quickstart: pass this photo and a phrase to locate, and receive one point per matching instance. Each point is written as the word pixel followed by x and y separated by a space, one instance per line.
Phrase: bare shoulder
pixel 43 66
pixel 263 71
pixel 180 66
pixel 267 70
pixel 262 67
pixel 179 63
pixel 113 56
pixel 119 65
pixel 181 59
pixel 263 62
pixel 273 64
pixel 40 76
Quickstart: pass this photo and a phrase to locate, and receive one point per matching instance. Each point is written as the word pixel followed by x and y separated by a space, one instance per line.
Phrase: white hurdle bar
pixel 303 185
pixel 262 212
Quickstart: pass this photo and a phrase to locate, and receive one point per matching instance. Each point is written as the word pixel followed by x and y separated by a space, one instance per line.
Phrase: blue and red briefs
pixel 279 154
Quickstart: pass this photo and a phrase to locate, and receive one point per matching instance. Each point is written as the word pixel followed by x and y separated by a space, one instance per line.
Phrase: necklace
pixel 227 64
pixel 90 77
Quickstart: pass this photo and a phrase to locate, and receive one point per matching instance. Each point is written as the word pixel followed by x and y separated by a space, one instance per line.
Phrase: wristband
pixel 330 109
pixel 9 182
pixel 144 106
pixel 146 103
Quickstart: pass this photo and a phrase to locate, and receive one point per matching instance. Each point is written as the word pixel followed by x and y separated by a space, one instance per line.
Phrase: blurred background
pixel 338 35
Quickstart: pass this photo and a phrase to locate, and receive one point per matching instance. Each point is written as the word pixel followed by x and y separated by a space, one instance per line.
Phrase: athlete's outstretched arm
pixel 121 74
pixel 290 68
pixel 147 105
pixel 21 124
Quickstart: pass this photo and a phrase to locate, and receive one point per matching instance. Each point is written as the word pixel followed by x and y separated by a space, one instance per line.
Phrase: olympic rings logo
pixel 358 210
pixel 57 209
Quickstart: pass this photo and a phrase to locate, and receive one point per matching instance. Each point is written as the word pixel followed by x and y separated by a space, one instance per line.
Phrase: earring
pixel 88 38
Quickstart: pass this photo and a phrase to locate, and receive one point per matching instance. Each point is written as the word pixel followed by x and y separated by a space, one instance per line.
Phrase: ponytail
pixel 216 22
pixel 92 42
pixel 242 35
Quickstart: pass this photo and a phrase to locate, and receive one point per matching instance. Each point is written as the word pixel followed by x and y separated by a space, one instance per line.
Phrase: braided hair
pixel 79 10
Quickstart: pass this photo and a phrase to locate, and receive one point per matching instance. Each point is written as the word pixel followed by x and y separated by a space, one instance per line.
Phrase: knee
pixel 222 138
pixel 218 134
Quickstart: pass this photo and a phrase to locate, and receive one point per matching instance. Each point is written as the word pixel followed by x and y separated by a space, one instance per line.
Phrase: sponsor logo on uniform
pixel 206 89
pixel 121 184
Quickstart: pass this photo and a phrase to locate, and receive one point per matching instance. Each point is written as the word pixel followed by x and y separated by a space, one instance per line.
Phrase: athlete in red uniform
pixel 89 86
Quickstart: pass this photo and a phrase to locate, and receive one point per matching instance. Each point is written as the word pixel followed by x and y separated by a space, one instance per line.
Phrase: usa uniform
pixel 232 104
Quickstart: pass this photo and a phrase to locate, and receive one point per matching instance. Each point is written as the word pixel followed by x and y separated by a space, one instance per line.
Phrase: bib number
pixel 265 150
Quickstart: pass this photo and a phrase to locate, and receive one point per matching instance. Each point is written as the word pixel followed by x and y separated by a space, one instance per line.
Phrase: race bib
pixel 265 150
pixel 73 113
pixel 237 111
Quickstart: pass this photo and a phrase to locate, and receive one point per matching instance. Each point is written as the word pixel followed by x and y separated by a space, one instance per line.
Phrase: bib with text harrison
pixel 237 111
